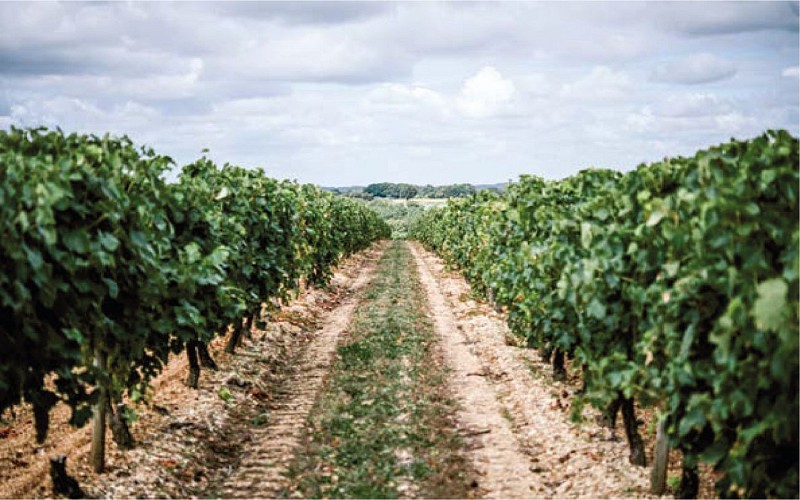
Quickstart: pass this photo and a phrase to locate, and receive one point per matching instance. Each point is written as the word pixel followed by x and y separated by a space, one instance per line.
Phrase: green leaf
pixel 224 394
pixel 74 334
pixel 694 420
pixel 752 209
pixel 108 241
pixel 596 309
pixel 23 221
pixel 113 288
pixel 770 306
pixel 671 268
pixel 138 238
pixel 716 452
pixel 223 193
pixel 192 252
pixel 34 258
pixel 655 218
pixel 76 240
pixel 586 234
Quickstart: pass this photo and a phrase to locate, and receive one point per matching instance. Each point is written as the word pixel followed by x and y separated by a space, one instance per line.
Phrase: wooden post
pixel 658 476
pixel 98 452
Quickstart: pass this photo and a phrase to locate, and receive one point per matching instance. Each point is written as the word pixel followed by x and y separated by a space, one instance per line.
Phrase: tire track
pixel 495 451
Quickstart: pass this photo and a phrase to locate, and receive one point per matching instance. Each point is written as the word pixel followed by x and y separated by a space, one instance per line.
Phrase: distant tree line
pixel 407 191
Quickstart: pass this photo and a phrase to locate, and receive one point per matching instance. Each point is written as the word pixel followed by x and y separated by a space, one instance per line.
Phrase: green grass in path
pixel 384 421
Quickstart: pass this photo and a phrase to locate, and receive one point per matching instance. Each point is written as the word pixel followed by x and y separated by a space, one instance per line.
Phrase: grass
pixel 383 424
pixel 507 415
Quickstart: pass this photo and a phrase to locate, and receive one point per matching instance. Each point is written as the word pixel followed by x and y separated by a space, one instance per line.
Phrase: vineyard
pixel 107 269
pixel 491 354
pixel 673 286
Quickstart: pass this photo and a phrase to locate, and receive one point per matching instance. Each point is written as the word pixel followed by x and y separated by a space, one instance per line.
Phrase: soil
pixel 495 450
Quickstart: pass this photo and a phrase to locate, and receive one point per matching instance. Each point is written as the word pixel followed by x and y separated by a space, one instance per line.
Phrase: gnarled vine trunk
pixel 193 379
pixel 205 357
pixel 119 426
pixel 690 481
pixel 559 367
pixel 235 339
pixel 635 443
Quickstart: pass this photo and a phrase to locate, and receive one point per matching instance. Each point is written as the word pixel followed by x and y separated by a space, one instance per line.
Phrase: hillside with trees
pixel 408 191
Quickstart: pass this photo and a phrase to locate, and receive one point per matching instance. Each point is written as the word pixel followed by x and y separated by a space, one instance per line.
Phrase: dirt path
pixel 532 449
pixel 384 427
pixel 496 452
pixel 261 472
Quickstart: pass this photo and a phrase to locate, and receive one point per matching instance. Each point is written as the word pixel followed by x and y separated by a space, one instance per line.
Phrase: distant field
pixel 399 213
pixel 425 202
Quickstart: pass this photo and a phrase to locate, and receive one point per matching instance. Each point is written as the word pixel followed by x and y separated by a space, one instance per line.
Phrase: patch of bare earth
pixel 494 448
pixel 530 448
pixel 197 443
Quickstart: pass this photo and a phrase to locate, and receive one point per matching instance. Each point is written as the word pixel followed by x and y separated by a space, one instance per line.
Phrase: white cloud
pixel 485 94
pixel 640 121
pixel 86 116
pixel 536 85
pixel 692 113
pixel 791 72
pixel 411 98
pixel 733 122
pixel 164 86
pixel 602 84
pixel 695 69
pixel 692 105
pixel 715 18
pixel 309 54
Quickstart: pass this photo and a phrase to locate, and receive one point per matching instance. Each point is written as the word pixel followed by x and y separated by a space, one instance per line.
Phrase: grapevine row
pixel 106 269
pixel 674 285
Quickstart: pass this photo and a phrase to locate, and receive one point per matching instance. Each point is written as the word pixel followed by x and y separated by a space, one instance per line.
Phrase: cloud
pixel 791 72
pixel 400 99
pixel 312 55
pixel 693 70
pixel 693 113
pixel 720 18
pixel 692 105
pixel 85 115
pixel 308 12
pixel 88 60
pixel 536 85
pixel 485 94
pixel 601 84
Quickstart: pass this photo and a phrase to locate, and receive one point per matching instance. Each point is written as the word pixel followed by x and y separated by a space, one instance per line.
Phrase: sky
pixel 349 93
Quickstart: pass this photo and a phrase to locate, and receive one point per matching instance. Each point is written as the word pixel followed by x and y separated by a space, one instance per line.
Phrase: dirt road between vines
pixel 383 426
pixel 526 444
pixel 496 452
